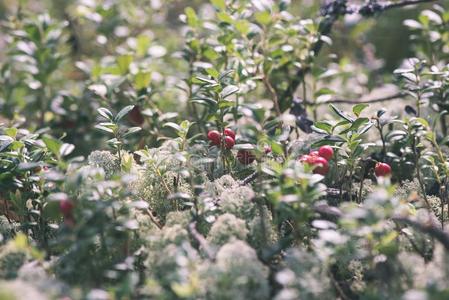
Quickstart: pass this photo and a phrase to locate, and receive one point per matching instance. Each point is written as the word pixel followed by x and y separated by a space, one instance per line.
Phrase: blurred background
pixel 114 53
pixel 377 37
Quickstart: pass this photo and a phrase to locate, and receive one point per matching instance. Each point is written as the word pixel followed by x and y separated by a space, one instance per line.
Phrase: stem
pixel 304 92
pixel 350 183
pixel 274 96
pixel 361 185
pixel 418 173
pixel 384 149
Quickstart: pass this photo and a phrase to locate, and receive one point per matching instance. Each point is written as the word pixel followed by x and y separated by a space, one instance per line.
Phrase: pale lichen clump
pixel 11 259
pixel 105 160
pixel 238 201
pixel 237 274
pixel 303 277
pixel 261 230
pixel 227 228
pixel 182 218
pixel 7 229
pixel 158 180
pixel 218 186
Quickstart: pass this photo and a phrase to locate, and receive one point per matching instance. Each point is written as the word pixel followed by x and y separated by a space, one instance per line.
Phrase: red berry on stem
pixel 326 151
pixel 66 207
pixel 229 142
pixel 314 153
pixel 304 158
pixel 321 165
pixel 214 136
pixel 229 132
pixel 382 169
pixel 245 157
pixel 267 149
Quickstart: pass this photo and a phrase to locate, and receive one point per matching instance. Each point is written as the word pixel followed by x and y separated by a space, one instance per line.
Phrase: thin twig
pixel 391 5
pixel 201 240
pixel 331 12
pixel 153 219
pixel 274 95
pixel 250 178
pixel 353 101
pixel 337 286
pixel 431 229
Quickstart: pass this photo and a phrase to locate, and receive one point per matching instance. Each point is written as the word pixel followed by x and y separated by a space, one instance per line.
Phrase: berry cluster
pixel 66 207
pixel 227 139
pixel 319 159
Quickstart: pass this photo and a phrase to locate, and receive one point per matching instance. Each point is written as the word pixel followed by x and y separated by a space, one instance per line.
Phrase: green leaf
pixel 323 126
pixel 341 113
pixel 131 130
pixel 143 42
pixel 365 128
pixel 213 72
pixel 123 62
pixel 206 80
pixel 228 91
pixel 220 4
pixel 12 132
pixel 123 112
pixel 142 80
pixel 104 128
pixel 263 17
pixel 355 125
pixel 5 141
pixel 244 147
pixel 225 74
pixel 242 26
pixel 224 17
pixel 185 125
pixel 52 144
pixel 277 148
pixel 225 104
pixel 192 19
pixel 66 149
pixel 28 166
pixel 173 125
pixel 105 113
pixel 357 109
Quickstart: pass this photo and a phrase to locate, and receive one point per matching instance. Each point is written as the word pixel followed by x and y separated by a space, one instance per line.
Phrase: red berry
pixel 229 132
pixel 214 136
pixel 326 151
pixel 321 165
pixel 304 158
pixel 66 207
pixel 135 116
pixel 382 169
pixel 245 157
pixel 267 149
pixel 314 153
pixel 229 142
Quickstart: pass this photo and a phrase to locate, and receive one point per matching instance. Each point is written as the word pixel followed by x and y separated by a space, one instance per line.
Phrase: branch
pixel 390 5
pixel 331 12
pixel 153 219
pixel 440 235
pixel 201 240
pixel 351 101
pixel 250 178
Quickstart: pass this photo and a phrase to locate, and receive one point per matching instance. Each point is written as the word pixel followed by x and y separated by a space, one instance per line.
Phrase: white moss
pixel 226 228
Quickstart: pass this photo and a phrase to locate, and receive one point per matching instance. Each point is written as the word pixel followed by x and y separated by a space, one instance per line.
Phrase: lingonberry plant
pixel 224 149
